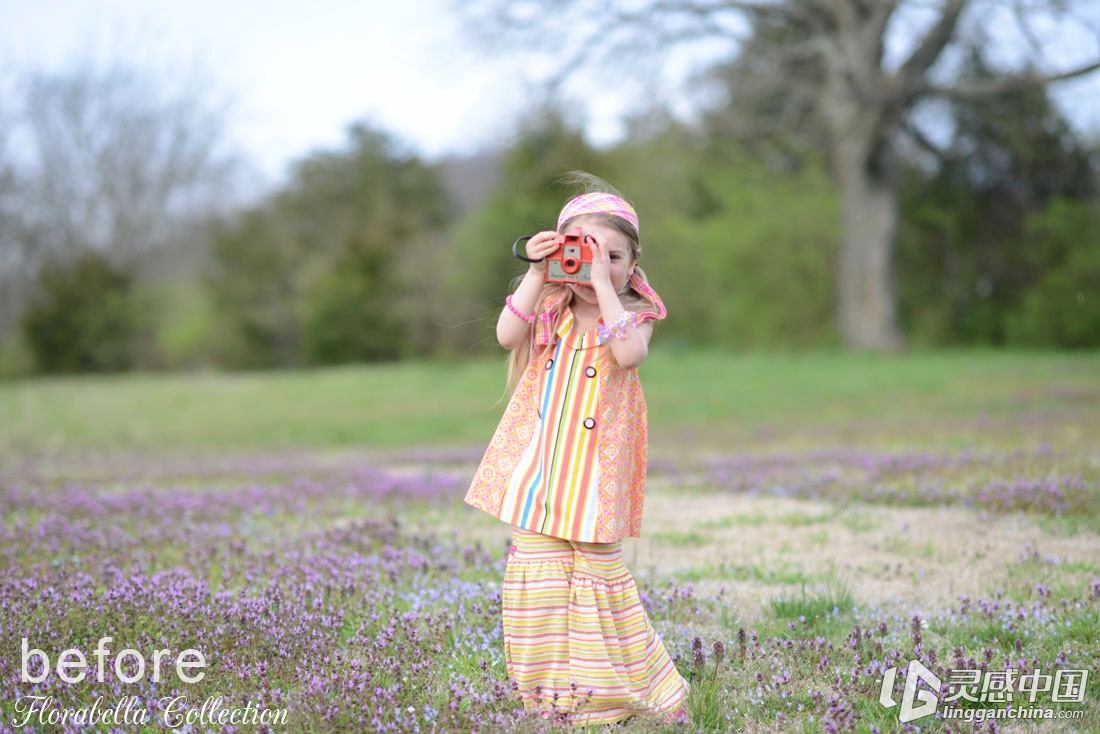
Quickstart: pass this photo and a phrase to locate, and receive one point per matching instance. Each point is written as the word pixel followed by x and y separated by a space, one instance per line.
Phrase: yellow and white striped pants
pixel 576 637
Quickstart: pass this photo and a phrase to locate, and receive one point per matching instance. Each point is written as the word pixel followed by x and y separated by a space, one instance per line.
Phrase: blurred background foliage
pixel 314 274
pixel 986 250
pixel 370 253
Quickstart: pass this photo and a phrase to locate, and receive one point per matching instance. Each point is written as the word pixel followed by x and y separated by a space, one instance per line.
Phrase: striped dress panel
pixel 554 488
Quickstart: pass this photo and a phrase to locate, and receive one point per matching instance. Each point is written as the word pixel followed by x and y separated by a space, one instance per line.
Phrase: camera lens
pixel 570 264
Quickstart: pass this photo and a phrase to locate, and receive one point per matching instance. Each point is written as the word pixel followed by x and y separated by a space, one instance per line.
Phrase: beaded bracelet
pixel 526 317
pixel 617 329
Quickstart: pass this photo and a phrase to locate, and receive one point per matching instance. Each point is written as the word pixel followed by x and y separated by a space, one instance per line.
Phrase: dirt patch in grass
pixel 897 558
pixel 909 558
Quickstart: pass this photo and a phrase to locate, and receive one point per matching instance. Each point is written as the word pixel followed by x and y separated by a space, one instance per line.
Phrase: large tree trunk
pixel 866 309
pixel 869 214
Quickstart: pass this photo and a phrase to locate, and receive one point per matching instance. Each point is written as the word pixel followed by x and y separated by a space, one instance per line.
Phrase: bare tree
pixel 114 158
pixel 832 68
pixel 15 242
pixel 119 157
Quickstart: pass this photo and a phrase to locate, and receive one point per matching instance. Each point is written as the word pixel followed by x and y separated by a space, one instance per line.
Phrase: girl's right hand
pixel 541 245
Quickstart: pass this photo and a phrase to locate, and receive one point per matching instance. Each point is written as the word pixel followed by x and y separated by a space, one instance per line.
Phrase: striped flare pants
pixel 577 641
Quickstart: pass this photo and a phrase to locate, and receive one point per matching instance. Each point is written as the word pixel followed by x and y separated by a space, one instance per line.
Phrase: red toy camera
pixel 571 262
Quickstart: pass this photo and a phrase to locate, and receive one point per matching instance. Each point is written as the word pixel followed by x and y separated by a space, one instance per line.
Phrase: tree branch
pixel 939 35
pixel 1019 82
pixel 787 10
pixel 706 16
pixel 880 14
pixel 923 142
pixel 710 13
pixel 705 26
pixel 1019 14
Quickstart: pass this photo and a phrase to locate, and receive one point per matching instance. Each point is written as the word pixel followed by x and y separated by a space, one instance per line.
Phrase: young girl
pixel 566 467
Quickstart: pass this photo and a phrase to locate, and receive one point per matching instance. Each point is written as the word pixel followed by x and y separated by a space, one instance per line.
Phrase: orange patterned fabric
pixel 523 467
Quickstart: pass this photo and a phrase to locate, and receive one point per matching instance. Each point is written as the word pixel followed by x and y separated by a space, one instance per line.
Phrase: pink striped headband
pixel 597 203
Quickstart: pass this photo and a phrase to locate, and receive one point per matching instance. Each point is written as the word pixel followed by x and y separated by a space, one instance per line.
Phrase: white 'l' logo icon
pixel 929 700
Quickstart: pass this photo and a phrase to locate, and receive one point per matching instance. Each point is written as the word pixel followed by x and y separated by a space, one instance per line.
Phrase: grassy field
pixel 812 521
pixel 707 397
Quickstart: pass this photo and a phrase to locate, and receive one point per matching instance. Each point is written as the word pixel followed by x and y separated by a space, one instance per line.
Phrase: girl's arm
pixel 511 329
pixel 631 350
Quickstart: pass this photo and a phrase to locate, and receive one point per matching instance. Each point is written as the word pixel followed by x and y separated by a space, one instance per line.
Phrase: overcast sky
pixel 299 73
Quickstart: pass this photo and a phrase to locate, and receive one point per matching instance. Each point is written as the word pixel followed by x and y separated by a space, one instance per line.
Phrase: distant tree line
pixel 371 253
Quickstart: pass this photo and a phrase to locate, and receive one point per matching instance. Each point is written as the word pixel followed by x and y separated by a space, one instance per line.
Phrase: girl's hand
pixel 539 246
pixel 601 261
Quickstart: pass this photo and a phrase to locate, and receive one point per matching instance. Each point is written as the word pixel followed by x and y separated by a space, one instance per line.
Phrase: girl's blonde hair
pixel 631 299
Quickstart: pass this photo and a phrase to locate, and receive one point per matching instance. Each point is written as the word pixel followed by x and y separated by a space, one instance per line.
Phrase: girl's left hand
pixel 601 260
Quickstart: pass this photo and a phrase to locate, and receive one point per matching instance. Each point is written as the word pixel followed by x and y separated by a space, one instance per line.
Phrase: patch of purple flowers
pixel 1040 481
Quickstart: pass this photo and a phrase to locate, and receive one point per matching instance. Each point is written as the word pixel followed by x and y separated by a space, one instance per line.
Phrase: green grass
pixel 699 397
pixel 784 572
pixel 834 598
pixel 681 539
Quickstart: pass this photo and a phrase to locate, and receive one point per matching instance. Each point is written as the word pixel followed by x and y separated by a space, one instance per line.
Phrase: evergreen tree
pixel 966 259
pixel 314 274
